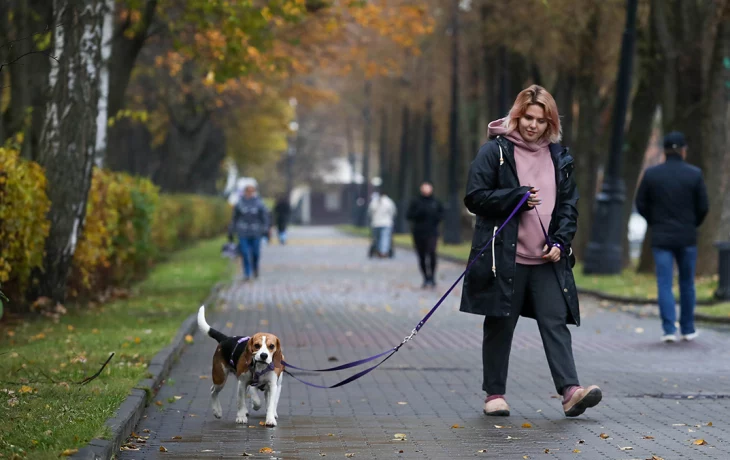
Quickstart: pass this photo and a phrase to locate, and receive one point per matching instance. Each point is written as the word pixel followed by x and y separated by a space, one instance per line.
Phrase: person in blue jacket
pixel 250 223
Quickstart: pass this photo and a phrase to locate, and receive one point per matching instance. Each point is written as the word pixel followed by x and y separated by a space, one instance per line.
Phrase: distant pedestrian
pixel 673 199
pixel 282 211
pixel 425 214
pixel 382 212
pixel 250 223
pixel 520 273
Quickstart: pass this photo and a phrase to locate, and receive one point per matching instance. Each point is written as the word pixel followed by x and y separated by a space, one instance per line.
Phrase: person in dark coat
pixel 425 214
pixel 672 197
pixel 282 210
pixel 520 273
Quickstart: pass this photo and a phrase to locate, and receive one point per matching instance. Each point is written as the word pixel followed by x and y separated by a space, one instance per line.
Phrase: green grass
pixel 627 284
pixel 41 419
pixel 720 310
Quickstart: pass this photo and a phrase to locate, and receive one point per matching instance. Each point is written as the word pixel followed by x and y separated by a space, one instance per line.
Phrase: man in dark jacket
pixel 282 210
pixel 425 214
pixel 673 199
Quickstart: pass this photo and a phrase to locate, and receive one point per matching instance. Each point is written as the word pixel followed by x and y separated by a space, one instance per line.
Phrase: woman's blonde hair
pixel 536 94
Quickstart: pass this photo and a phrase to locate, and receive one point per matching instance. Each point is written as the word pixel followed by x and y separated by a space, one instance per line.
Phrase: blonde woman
pixel 526 271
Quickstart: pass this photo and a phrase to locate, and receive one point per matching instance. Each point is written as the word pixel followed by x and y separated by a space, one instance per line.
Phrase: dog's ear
pixel 245 360
pixel 278 355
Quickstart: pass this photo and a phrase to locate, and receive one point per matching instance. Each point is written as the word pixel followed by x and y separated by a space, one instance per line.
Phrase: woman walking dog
pixel 527 271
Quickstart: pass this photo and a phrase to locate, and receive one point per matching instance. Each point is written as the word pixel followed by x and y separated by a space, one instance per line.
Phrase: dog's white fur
pixel 270 380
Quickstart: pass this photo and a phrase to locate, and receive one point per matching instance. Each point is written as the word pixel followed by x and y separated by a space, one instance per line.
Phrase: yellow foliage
pixel 23 224
pixel 128 226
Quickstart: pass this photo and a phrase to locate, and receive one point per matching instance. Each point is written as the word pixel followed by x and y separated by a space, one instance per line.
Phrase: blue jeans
pixel 250 249
pixel 686 261
pixel 382 237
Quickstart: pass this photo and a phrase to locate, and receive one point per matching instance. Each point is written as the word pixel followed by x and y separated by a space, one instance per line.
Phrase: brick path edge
pixel 130 412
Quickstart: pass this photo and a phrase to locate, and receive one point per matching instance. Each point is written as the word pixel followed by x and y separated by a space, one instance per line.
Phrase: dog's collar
pixel 233 353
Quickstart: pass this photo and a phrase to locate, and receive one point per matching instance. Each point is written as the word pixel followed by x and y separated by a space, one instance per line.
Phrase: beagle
pixel 257 363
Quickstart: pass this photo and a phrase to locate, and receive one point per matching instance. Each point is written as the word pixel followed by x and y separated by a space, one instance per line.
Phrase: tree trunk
pixel 564 95
pixel 69 133
pixel 106 51
pixel 403 172
pixel 714 145
pixel 643 113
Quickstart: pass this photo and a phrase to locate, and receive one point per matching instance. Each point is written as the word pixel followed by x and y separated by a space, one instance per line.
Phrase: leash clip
pixel 409 337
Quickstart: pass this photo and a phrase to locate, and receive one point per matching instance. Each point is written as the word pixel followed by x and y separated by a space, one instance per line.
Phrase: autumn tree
pixel 67 145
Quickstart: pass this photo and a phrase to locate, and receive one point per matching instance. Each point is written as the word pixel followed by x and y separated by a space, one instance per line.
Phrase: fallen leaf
pixel 26 389
pixel 322 454
pixel 178 398
pixel 648 437
pixel 146 430
pixel 349 455
pixel 264 322
pixel 525 457
pixel 159 403
pixel 261 423
pixel 482 451
pixel 332 359
pixel 137 340
pixel 639 330
pixel 189 338
pixel 177 437
pixel 580 441
pixel 679 424
pixel 547 451
pixel 163 449
pixel 245 454
pixel 709 423
pixel 603 436
pixel 266 450
pixel 68 452
pixel 203 377
pixel 526 425
pixel 576 451
pixel 626 448
pixel 655 457
pixel 700 442
pixel 399 437
pixel 456 426
pixel 330 434
pixel 229 324
pixel 207 450
pixel 501 426
pixel 402 403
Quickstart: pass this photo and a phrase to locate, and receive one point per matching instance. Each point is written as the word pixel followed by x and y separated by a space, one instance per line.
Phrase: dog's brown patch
pixel 219 367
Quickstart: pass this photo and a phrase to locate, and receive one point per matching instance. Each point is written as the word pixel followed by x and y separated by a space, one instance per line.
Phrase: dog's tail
pixel 206 329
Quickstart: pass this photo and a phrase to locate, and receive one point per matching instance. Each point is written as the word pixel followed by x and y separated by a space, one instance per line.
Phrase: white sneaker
pixel 669 338
pixel 690 337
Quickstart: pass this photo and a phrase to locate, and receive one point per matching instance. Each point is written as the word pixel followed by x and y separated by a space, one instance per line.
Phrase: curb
pixel 596 294
pixel 130 411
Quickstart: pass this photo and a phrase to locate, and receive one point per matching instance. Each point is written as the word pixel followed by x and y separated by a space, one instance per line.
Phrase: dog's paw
pixel 270 422
pixel 217 411
pixel 242 419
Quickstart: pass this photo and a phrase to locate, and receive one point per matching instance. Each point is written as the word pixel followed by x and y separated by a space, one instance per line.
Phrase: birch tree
pixel 68 137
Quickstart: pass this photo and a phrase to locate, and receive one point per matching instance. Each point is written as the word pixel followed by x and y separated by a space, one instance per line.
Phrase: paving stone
pixel 324 298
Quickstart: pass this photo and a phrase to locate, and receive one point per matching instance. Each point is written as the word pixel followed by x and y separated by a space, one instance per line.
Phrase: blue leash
pixel 413 333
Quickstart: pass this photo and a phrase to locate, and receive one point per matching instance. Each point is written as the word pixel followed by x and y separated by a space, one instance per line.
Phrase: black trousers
pixel 426 250
pixel 538 285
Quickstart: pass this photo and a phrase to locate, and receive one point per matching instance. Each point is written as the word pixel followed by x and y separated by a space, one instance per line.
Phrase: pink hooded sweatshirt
pixel 534 168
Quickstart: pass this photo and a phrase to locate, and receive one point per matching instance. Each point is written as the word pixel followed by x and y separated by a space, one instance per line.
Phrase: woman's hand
pixel 534 199
pixel 553 255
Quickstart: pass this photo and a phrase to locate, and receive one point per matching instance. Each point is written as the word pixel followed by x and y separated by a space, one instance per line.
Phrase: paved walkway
pixel 328 302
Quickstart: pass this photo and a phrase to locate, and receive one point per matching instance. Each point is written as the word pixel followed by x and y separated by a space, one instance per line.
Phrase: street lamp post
pixel 365 188
pixel 452 226
pixel 603 253
pixel 291 150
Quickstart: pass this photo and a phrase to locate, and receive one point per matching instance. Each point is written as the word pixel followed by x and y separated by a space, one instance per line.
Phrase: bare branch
pixel 89 379
pixel 45 53
pixel 48 28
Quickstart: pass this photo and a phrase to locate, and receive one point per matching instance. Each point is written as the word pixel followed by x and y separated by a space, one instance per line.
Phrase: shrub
pixel 129 225
pixel 23 224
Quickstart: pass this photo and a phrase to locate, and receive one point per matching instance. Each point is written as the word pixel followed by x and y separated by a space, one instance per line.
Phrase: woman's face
pixel 533 123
